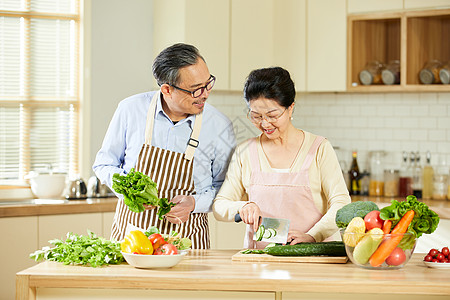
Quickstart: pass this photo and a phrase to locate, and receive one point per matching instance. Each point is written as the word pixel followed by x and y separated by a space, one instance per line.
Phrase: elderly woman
pixel 283 173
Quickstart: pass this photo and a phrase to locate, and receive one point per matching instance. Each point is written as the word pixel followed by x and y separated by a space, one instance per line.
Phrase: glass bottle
pixel 444 73
pixel 355 176
pixel 427 178
pixel 404 187
pixel 376 187
pixel 365 183
pixel 417 177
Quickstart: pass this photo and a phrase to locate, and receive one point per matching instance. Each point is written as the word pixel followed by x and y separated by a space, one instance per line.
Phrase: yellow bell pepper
pixel 136 242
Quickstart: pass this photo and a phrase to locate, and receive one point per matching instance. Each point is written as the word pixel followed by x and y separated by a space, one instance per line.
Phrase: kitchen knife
pixel 273 230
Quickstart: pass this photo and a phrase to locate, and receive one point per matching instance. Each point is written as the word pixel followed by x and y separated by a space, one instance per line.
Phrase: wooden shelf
pixel 412 37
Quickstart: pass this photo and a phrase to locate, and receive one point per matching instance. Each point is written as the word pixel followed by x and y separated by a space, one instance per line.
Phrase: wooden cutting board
pixel 291 259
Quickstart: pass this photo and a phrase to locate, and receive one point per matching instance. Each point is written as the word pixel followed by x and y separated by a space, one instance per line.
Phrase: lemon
pixel 367 246
pixel 354 231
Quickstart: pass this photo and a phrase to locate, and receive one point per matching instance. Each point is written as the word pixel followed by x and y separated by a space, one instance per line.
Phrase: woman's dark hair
pixel 167 64
pixel 272 83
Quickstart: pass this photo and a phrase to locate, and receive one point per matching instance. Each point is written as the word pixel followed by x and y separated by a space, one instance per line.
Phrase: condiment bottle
pixel 404 187
pixel 427 178
pixel 417 177
pixel 365 183
pixel 371 74
pixel 391 74
pixel 355 176
pixel 444 73
pixel 430 72
pixel 376 186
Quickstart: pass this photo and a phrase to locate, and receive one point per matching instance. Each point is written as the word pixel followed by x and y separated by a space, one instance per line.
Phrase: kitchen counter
pixel 38 207
pixel 213 270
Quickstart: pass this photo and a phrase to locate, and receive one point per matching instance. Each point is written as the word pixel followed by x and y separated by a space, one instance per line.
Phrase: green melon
pixel 367 245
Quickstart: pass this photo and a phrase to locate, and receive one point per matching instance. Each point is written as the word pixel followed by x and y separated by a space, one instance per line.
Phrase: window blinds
pixel 39 86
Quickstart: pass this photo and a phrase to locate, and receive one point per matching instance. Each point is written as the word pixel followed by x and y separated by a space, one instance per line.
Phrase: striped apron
pixel 172 172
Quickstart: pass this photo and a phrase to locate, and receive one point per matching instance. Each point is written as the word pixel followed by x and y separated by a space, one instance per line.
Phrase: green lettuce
pixel 138 190
pixel 425 220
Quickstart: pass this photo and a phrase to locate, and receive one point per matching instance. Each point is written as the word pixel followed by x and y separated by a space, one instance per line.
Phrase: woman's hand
pixel 250 214
pixel 295 237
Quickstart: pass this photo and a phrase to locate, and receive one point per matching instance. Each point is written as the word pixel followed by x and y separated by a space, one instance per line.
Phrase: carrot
pixel 389 244
pixel 387 226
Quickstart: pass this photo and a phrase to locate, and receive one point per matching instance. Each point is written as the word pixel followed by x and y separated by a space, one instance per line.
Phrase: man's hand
pixel 180 212
pixel 250 214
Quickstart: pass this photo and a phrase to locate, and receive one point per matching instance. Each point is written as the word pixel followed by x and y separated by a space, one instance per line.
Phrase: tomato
pixel 157 240
pixel 428 258
pixel 166 249
pixel 433 252
pixel 396 258
pixel 445 251
pixel 440 256
pixel 373 220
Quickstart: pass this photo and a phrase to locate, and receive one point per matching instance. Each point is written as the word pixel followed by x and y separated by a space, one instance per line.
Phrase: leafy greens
pixel 138 189
pixel 81 250
pixel 425 220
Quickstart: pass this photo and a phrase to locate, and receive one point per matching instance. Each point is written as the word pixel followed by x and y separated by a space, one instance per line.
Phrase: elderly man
pixel 175 137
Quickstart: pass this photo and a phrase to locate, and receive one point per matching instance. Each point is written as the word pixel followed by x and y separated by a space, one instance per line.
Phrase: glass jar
pixel 371 74
pixel 391 73
pixel 430 72
pixel 391 181
pixel 444 74
pixel 376 186
pixel 440 179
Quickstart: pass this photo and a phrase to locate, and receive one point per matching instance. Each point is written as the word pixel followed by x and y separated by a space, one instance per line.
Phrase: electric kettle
pixel 76 190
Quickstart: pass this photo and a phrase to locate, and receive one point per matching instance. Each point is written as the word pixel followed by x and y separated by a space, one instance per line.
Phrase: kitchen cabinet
pixel 290 39
pixel 252 34
pixel 412 37
pixel 358 6
pixel 204 24
pixel 414 4
pixel 326 46
pixel 19 239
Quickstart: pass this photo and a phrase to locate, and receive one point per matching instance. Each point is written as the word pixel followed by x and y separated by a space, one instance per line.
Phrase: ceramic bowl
pixel 361 246
pixel 49 186
pixel 153 261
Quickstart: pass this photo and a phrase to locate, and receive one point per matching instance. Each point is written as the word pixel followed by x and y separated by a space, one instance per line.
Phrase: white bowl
pixel 153 261
pixel 48 185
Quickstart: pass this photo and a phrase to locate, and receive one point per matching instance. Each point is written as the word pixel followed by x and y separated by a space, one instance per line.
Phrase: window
pixel 39 87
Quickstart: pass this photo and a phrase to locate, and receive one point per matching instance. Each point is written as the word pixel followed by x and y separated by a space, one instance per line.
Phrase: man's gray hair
pixel 167 64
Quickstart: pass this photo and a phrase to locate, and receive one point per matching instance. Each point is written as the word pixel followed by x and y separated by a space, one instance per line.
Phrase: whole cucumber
pixel 335 248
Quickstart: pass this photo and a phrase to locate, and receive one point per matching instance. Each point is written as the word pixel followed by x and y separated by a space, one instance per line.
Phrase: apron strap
pixel 312 153
pixel 193 140
pixel 254 158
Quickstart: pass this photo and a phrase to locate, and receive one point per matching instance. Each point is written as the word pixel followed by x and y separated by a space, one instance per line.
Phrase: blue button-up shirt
pixel 126 135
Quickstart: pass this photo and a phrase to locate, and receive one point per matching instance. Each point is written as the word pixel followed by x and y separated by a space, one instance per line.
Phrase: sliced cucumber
pixel 260 233
pixel 273 232
pixel 267 234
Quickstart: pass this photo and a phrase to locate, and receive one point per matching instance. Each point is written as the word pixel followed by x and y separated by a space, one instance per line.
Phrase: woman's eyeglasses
pixel 198 92
pixel 257 118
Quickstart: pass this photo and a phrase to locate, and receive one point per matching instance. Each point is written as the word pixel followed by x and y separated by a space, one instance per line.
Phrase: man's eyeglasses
pixel 257 118
pixel 198 92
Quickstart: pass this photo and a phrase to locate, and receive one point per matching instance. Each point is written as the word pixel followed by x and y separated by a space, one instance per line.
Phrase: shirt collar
pixel 160 113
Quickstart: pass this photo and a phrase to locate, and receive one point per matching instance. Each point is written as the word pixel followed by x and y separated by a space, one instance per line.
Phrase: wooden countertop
pixel 57 207
pixel 213 270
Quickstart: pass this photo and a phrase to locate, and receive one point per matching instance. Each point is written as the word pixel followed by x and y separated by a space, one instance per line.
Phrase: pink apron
pixel 283 195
